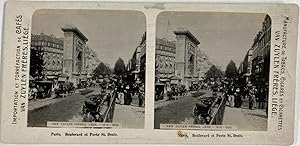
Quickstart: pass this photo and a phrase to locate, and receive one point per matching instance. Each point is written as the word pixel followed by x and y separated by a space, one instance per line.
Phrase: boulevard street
pixel 180 112
pixel 177 111
pixel 62 110
pixel 68 109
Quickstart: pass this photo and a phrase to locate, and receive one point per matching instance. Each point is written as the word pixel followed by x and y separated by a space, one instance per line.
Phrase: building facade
pixel 52 49
pixel 261 55
pixel 165 53
pixel 142 55
pixel 254 69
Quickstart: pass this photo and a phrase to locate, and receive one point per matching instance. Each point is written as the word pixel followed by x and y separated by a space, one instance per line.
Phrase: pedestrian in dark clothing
pixel 261 98
pixel 238 98
pixel 127 99
pixel 40 91
pixel 230 94
pixel 108 98
pixel 141 95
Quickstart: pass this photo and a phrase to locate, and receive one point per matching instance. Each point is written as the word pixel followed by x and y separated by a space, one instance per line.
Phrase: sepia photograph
pixel 212 68
pixel 92 72
pixel 87 66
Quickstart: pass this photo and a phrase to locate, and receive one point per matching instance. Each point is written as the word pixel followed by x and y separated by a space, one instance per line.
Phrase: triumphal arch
pixel 186 57
pixel 74 53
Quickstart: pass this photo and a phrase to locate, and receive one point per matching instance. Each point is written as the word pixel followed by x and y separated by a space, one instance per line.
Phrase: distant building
pixel 91 61
pixel 203 64
pixel 52 49
pixel 245 68
pixel 133 65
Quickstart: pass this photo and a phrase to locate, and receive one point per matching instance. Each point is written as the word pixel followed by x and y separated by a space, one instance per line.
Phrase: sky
pixel 112 34
pixel 223 36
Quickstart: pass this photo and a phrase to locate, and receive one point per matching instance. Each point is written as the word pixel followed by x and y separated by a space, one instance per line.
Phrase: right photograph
pixel 212 70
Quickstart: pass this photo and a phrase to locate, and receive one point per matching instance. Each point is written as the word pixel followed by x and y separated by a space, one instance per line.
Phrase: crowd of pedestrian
pixel 63 89
pixel 175 91
pixel 38 91
pixel 46 89
pixel 126 90
pixel 237 93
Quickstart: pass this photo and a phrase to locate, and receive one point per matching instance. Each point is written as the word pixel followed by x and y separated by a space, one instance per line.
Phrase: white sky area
pixel 223 36
pixel 112 34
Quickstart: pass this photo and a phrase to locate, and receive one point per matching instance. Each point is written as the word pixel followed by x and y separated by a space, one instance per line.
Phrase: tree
pixel 213 72
pixel 119 68
pixel 231 70
pixel 101 70
pixel 37 63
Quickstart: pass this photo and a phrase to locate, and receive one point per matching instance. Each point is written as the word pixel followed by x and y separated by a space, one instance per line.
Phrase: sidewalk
pixel 245 119
pixel 129 116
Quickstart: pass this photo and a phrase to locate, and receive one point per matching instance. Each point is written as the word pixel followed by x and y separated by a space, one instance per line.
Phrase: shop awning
pixel 62 77
pixel 164 80
pixel 51 77
pixel 175 78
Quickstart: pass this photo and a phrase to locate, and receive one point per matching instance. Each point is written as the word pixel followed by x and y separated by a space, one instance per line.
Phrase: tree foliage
pixel 231 70
pixel 37 68
pixel 213 72
pixel 119 68
pixel 101 70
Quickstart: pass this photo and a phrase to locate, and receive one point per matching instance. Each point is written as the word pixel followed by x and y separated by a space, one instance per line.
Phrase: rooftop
pixel 47 38
pixel 75 30
pixel 165 42
pixel 186 32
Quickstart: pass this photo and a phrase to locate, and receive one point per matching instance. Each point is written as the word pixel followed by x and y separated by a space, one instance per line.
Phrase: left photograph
pixel 87 69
